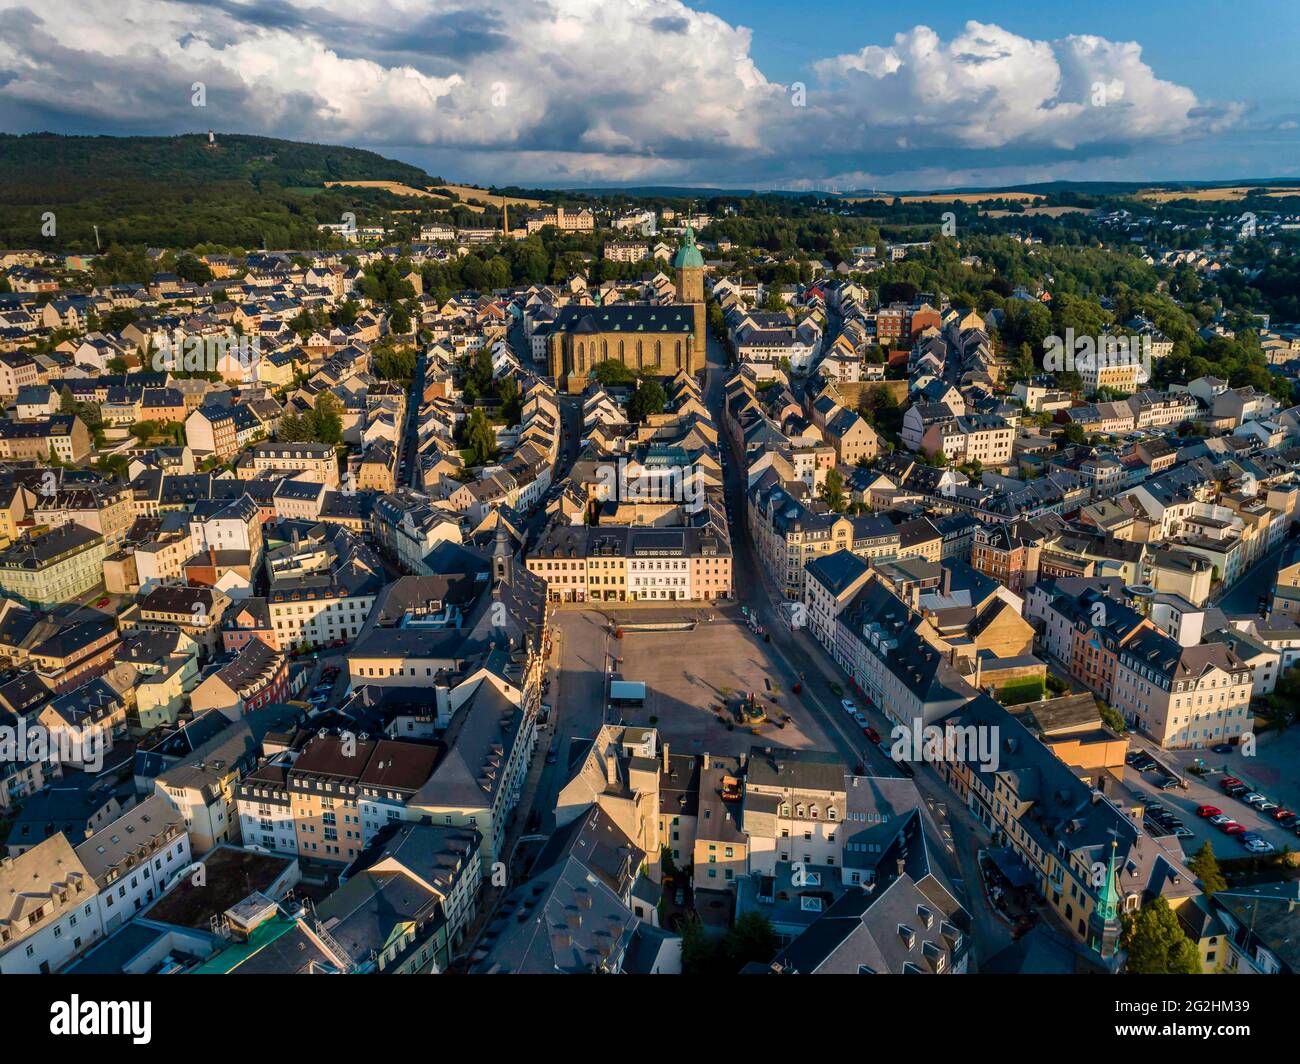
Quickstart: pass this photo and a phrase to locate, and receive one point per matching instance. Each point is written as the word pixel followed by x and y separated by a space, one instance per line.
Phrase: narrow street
pixel 963 835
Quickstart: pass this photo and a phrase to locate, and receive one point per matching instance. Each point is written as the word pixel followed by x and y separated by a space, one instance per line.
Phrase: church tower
pixel 689 264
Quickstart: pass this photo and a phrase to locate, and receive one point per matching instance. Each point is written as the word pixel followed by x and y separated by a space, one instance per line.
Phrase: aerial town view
pixel 666 488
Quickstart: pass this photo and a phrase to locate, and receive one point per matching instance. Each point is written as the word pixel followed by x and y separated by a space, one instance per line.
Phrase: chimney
pixel 706 761
pixel 946 584
pixel 665 745
pixel 611 769
pixel 901 868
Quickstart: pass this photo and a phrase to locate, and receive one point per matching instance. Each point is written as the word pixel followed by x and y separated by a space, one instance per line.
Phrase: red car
pixel 1232 828
pixel 1281 814
pixel 1228 781
pixel 1208 810
pixel 101 604
pixel 872 734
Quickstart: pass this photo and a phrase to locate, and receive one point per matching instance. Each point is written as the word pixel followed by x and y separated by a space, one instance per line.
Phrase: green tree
pixel 326 419
pixel 648 399
pixel 393 363
pixel 478 438
pixel 699 952
pixel 612 373
pixel 512 405
pixel 750 939
pixel 1156 944
pixel 1206 867
pixel 833 491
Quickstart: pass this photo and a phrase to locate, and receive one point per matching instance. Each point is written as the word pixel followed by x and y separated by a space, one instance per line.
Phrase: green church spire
pixel 688 255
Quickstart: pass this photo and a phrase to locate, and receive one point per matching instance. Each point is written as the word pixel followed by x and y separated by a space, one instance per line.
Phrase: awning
pixel 1010 864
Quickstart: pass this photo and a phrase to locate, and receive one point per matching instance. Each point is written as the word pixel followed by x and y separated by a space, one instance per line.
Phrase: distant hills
pixel 179 191
pixel 76 163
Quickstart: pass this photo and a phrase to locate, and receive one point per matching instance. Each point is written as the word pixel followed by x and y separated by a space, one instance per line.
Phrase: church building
pixel 661 339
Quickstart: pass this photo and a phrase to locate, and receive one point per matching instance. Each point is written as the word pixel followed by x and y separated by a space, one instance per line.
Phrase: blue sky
pixel 1238 50
pixel 753 94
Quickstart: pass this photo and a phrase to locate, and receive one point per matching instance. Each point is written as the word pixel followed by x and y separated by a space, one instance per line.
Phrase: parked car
pixel 1254 798
pixel 1237 790
pixel 1289 821
pixel 1233 829
pixel 1219 819
pixel 1249 836
pixel 1228 781
pixel 872 735
pixel 859 720
pixel 1208 810
pixel 1183 833
pixel 1259 846
pixel 848 706
pixel 1222 748
pixel 1168 782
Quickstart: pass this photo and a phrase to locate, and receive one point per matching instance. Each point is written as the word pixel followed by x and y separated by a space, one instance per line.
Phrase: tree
pixel 1073 434
pixel 750 939
pixel 1206 867
pixel 648 399
pixel 612 373
pixel 512 405
pixel 478 375
pixel 1156 944
pixel 699 952
pixel 478 438
pixel 393 363
pixel 833 491
pixel 326 419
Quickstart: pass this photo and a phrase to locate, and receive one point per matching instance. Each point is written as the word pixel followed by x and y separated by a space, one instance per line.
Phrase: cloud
pixel 584 90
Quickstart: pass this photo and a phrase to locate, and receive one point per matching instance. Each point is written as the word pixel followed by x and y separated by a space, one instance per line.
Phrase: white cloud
pixel 577 90
pixel 989 88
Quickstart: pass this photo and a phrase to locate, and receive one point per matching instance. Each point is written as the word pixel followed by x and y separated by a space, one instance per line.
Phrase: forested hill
pixel 180 191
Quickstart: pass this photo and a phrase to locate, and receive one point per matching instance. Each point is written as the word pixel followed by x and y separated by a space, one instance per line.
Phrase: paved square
pixel 689 674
